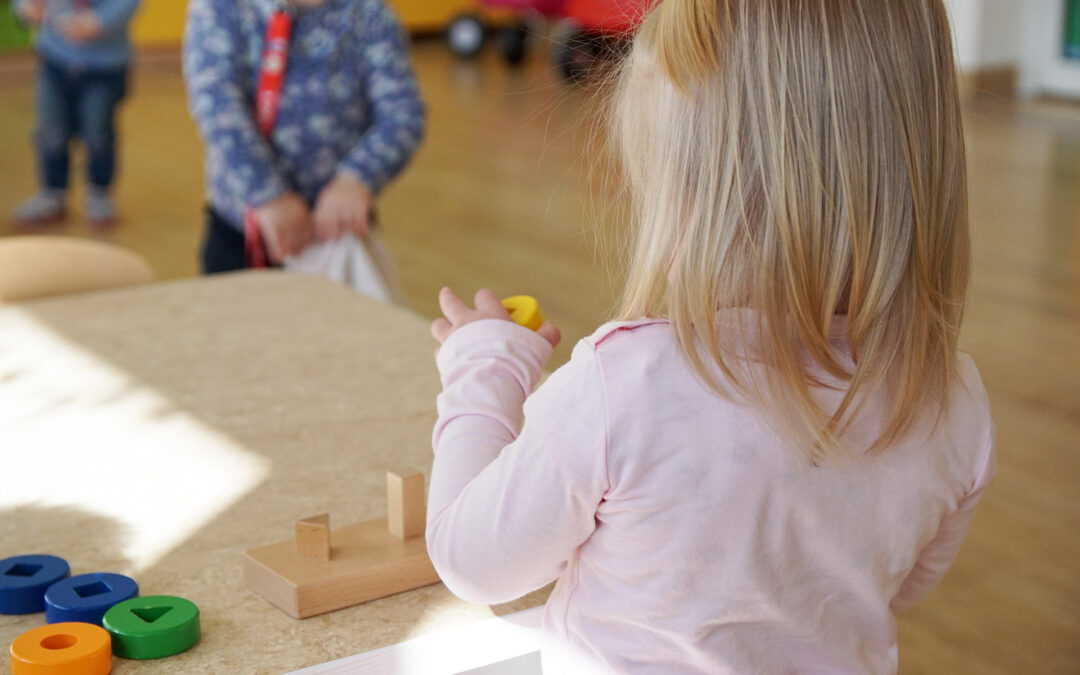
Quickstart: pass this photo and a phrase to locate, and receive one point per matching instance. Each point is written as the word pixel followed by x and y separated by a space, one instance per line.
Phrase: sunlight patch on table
pixel 78 432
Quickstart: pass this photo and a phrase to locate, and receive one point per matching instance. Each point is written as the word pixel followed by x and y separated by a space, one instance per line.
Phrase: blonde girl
pixel 777 444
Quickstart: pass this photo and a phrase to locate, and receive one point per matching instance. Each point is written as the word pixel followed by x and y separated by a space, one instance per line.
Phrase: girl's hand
pixel 488 306
pixel 344 205
pixel 82 26
pixel 286 226
pixel 32 12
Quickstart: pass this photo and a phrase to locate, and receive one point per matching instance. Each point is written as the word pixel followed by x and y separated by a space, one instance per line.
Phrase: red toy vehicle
pixel 585 31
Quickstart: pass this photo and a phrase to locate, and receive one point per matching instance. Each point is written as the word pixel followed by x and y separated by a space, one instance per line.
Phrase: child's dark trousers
pixel 75 102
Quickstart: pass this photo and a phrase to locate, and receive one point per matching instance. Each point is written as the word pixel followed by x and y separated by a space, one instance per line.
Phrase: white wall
pixel 966 17
pixel 1002 31
pixel 1043 69
pixel 1024 33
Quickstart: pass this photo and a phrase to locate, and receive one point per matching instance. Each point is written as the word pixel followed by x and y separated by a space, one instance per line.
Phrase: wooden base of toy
pixel 366 563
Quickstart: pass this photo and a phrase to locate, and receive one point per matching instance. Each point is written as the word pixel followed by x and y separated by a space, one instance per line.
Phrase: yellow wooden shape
pixel 524 310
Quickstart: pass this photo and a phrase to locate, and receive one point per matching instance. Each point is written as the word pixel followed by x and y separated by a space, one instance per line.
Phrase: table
pixel 159 431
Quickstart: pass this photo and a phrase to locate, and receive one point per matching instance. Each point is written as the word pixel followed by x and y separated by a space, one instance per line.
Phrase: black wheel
pixel 465 35
pixel 512 42
pixel 575 52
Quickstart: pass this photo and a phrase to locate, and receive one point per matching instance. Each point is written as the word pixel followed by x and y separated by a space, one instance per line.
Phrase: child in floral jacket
pixel 350 119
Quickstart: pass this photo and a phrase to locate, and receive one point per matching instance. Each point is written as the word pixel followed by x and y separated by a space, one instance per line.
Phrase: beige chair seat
pixel 41 266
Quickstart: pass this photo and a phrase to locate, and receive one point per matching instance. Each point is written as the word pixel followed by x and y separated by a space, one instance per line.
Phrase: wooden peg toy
pixel 405 503
pixel 312 536
pixel 87 597
pixel 24 580
pixel 62 649
pixel 524 310
pixel 152 627
pixel 369 560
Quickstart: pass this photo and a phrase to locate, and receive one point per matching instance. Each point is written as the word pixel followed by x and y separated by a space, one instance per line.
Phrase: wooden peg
pixel 313 537
pixel 405 503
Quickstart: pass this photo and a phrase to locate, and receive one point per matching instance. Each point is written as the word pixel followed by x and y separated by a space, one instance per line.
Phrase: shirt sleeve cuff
pixel 496 338
pixel 374 178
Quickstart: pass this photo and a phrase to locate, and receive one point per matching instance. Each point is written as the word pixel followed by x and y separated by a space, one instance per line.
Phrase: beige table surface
pixel 162 430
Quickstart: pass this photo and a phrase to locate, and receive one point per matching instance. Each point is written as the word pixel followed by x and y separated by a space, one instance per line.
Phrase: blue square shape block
pixel 87 597
pixel 24 580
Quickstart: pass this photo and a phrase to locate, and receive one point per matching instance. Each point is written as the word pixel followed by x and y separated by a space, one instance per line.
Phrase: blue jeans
pixel 76 102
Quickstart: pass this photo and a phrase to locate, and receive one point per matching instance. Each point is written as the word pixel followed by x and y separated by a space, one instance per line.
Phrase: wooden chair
pixel 40 266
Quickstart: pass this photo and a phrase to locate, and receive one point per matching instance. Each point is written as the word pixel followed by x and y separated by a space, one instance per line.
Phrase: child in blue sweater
pixel 84 54
pixel 350 118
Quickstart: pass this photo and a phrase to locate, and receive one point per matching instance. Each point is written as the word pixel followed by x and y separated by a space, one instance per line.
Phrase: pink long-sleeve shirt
pixel 685 533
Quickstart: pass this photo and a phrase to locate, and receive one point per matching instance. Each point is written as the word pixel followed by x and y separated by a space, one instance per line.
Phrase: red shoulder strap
pixel 272 65
pixel 275 58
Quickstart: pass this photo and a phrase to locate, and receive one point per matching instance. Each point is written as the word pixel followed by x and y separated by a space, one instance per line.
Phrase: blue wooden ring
pixel 24 579
pixel 87 597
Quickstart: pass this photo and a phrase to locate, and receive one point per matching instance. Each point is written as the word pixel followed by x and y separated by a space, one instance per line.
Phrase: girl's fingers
pixel 349 220
pixel 338 223
pixel 550 332
pixel 441 329
pixel 489 304
pixel 322 220
pixel 344 224
pixel 451 305
pixel 322 232
pixel 271 241
pixel 360 225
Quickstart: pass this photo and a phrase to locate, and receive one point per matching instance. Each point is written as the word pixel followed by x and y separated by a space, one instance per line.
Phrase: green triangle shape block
pixel 152 627
pixel 150 614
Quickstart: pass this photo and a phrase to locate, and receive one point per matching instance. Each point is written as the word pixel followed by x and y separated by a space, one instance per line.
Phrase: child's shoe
pixel 43 208
pixel 100 211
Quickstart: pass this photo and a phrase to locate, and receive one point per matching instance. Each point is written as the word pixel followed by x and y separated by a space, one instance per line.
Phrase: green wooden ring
pixel 152 626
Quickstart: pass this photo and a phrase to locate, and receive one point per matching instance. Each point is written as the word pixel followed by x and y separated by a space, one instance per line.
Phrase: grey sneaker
pixel 100 211
pixel 43 208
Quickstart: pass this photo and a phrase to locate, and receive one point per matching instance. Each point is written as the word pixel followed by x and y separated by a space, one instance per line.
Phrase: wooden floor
pixel 501 195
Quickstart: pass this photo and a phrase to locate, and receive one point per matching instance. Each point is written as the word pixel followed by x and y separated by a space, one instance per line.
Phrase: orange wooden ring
pixel 62 649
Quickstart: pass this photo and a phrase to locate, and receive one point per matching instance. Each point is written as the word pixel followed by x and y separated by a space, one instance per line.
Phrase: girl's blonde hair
pixel 803 158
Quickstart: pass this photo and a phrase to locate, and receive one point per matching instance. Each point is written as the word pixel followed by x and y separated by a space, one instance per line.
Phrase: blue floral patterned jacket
pixel 350 101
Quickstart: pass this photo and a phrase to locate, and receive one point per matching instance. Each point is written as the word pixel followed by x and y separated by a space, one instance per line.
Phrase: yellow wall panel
pixel 430 14
pixel 159 23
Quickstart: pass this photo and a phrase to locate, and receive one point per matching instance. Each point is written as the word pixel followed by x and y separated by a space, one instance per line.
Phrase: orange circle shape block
pixel 62 649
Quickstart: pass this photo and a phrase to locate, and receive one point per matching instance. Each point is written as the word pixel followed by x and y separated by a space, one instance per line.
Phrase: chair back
pixel 41 266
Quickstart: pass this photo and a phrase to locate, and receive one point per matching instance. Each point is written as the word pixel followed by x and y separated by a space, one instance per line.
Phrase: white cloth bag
pixel 362 263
